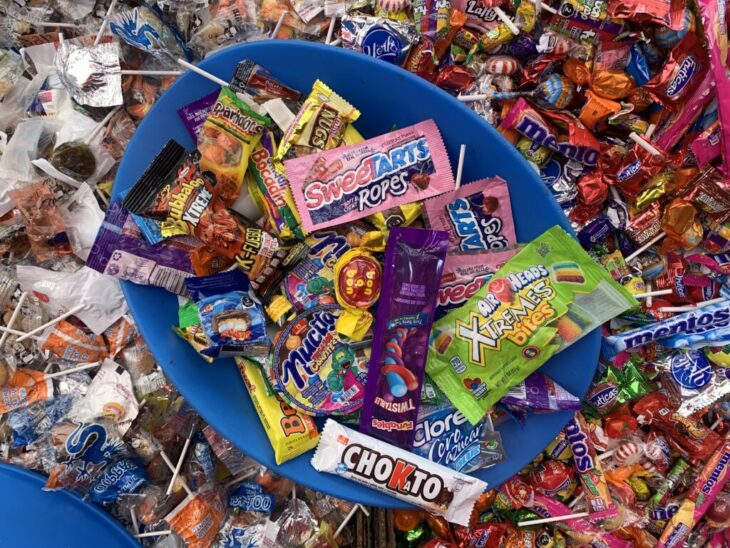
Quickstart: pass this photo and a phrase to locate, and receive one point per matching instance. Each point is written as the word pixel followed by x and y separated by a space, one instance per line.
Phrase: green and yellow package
pixel 540 302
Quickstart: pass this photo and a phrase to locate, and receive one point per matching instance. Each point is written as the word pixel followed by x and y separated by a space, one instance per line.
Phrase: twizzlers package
pixel 414 261
pixel 347 183
pixel 397 472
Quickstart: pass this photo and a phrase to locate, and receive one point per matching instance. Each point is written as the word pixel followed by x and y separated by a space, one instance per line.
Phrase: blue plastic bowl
pixel 387 96
pixel 33 517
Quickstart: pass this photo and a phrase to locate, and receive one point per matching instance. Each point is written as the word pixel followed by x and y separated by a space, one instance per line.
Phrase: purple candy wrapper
pixel 194 115
pixel 120 251
pixel 538 393
pixel 414 261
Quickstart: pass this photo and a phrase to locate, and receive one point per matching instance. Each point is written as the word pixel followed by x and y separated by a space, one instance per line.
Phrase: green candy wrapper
pixel 544 299
pixel 616 386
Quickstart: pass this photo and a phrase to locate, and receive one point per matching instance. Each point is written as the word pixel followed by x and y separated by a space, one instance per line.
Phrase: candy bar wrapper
pixel 193 116
pixel 290 432
pixel 348 183
pixel 477 216
pixel 714 21
pixel 414 261
pixel 580 144
pixel 120 251
pixel 260 83
pixel 590 471
pixel 397 473
pixel 544 299
pixel 710 481
pixel 465 273
pixel 699 321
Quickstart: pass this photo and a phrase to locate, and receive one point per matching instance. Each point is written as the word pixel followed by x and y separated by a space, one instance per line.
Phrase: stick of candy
pixel 553 519
pixel 460 166
pixel 154 534
pixel 105 22
pixel 63 316
pixel 14 317
pixel 542 6
pixel 279 24
pixel 202 72
pixel 73 370
pixel 180 460
pixel 506 20
pixel 646 246
pixel 650 131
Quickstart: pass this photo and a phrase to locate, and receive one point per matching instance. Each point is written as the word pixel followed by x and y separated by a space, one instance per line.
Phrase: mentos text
pixel 376 178
pixel 579 445
pixel 393 474
pixel 718 474
pixel 304 362
pixel 538 132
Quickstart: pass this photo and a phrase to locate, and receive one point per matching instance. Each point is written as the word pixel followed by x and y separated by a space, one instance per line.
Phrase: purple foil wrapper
pixel 194 115
pixel 120 251
pixel 540 394
pixel 414 261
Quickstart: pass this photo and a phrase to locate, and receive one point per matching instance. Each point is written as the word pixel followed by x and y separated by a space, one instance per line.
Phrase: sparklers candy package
pixel 477 216
pixel 544 299
pixel 351 182
pixel 414 261
pixel 233 321
pixel 397 473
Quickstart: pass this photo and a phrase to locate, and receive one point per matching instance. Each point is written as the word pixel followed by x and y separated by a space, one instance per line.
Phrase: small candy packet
pixel 355 181
pixel 538 393
pixel 195 114
pixel 73 344
pixel 233 321
pixel 544 299
pixel 290 432
pixel 226 140
pixel 250 497
pixel 397 472
pixel 358 277
pixel 414 261
pixel 477 216
pixel 23 388
pixel 197 519
pixel 260 83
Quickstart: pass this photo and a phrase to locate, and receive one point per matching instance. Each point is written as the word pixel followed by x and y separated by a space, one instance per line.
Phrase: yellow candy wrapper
pixel 290 432
pixel 358 277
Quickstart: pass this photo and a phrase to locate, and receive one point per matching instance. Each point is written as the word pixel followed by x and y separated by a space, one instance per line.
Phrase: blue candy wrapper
pixel 233 321
pixel 250 497
pixel 445 436
pixel 124 477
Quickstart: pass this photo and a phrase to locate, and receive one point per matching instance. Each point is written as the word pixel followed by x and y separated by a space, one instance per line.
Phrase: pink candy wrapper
pixel 477 216
pixel 347 183
pixel 464 273
pixel 715 25
pixel 708 145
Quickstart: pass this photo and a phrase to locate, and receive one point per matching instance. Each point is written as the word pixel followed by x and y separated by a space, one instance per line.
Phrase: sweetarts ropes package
pixel 477 216
pixel 544 299
pixel 347 183
pixel 414 261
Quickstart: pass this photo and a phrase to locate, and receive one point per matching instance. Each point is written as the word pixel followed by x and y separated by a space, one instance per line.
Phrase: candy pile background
pixel 619 106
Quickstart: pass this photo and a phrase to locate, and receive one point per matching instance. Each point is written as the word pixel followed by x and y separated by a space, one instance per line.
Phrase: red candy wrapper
pixel 414 261
pixel 668 13
pixel 397 472
pixel 682 72
pixel 352 182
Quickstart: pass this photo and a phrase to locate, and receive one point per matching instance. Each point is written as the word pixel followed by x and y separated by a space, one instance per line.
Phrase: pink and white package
pixel 477 216
pixel 347 183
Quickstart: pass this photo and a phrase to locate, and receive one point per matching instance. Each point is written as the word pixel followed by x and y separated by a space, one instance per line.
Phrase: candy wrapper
pixel 73 344
pixel 382 39
pixel 91 74
pixel 23 388
pixel 477 216
pixel 143 28
pixel 544 299
pixel 290 432
pixel 334 384
pixel 538 393
pixel 464 274
pixel 396 472
pixel 384 172
pixel 414 261
pixel 615 387
pixel 194 115
pixel 233 321
pixel 358 278
pixel 259 83
pixel 197 519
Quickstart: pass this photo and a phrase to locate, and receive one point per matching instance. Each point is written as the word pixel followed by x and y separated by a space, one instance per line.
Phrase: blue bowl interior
pixel 33 517
pixel 387 96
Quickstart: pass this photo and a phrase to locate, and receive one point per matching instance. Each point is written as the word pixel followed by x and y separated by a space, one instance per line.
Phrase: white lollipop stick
pixel 650 131
pixel 648 294
pixel 63 316
pixel 576 500
pixel 54 25
pixel 73 370
pixel 180 461
pixel 169 464
pixel 336 42
pixel 105 22
pixel 14 317
pixel 615 195
pixel 607 454
pixel 348 517
pixel 541 6
pixel 240 477
pixel 101 125
pixel 154 534
pixel 279 24
pixel 552 519
pixel 330 30
pixel 131 72
pixel 691 307
pixel 364 510
pixel 650 297
pixel 646 246
pixel 506 20
pixel 460 166
pixel 133 515
pixel 643 143
pixel 202 73
pixel 16 332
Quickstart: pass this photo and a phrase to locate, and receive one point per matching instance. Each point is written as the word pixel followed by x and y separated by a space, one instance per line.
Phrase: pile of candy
pixel 359 279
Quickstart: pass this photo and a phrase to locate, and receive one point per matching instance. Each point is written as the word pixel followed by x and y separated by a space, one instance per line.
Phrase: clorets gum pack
pixel 414 261
pixel 543 300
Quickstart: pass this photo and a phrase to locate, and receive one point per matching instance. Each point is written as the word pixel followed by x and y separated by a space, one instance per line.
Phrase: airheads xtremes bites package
pixel 544 299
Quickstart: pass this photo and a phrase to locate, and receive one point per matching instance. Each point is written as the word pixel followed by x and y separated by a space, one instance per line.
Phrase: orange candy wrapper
pixel 24 388
pixel 197 520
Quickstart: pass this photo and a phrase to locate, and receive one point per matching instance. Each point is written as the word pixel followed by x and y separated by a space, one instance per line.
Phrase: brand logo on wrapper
pixel 476 8
pixel 393 474
pixel 535 130
pixel 456 294
pixel 603 396
pixel 682 77
pixel 689 322
pixel 629 171
pixel 382 44
pixel 581 452
pixel 449 440
pixel 475 229
pixel 718 472
pixel 243 123
pixel 303 363
pixel 691 370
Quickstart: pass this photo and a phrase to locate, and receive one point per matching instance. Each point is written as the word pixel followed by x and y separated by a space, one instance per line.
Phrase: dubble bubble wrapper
pixel 414 261
pixel 544 299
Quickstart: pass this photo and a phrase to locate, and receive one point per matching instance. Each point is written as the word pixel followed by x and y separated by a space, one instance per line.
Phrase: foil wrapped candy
pixel 91 74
